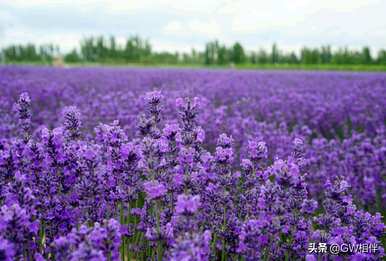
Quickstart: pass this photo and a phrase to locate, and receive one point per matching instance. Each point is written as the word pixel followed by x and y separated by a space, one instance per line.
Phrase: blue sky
pixel 180 24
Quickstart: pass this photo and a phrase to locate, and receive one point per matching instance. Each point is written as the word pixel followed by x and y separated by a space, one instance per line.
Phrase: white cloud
pixel 165 45
pixel 193 28
pixel 174 27
pixel 66 41
pixel 183 24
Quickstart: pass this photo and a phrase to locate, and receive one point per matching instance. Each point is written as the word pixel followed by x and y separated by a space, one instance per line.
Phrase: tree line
pixel 135 49
pixel 29 53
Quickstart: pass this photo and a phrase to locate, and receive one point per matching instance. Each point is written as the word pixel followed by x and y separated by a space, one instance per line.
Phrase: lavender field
pixel 168 164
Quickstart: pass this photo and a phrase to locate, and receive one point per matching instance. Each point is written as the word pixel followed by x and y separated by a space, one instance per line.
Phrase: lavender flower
pixel 298 144
pixel 23 110
pixel 195 248
pixel 187 204
pixel 154 189
pixel 257 150
pixel 71 121
pixel 98 243
pixel 18 229
pixel 7 251
pixel 181 188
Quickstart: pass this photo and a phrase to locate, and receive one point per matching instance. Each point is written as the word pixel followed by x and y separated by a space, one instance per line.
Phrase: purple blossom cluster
pixel 190 165
pixel 99 242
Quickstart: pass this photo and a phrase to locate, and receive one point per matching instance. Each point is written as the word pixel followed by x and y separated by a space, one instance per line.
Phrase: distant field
pixel 322 67
pixel 310 67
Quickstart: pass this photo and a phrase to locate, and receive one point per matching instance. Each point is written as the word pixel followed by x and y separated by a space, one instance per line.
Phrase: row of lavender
pixel 303 153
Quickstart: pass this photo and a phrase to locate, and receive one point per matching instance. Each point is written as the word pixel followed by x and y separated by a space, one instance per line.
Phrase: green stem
pixel 159 244
pixel 223 253
pixel 214 250
pixel 42 235
pixel 121 218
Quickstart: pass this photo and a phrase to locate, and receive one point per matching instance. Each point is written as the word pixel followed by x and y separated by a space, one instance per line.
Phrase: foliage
pixel 135 49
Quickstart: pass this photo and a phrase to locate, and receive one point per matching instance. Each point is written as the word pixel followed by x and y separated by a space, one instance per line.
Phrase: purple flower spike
pixel 154 189
pixel 257 150
pixel 187 204
pixel 7 251
pixel 72 121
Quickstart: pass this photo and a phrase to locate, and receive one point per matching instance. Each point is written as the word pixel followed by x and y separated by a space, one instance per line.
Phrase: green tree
pixel 366 55
pixel 263 57
pixel 238 54
pixel 274 54
pixel 325 54
pixel 210 53
pixel 309 56
pixel 72 57
pixel 381 59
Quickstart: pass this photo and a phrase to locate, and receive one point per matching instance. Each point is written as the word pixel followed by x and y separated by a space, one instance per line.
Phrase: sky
pixel 179 25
